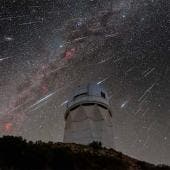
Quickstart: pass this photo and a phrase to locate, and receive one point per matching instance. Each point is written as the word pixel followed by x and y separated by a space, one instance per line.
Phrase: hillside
pixel 17 154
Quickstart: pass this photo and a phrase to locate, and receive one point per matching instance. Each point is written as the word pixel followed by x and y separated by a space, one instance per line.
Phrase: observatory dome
pixel 88 116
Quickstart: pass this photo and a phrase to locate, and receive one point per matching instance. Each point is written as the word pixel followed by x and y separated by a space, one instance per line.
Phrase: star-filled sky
pixel 49 47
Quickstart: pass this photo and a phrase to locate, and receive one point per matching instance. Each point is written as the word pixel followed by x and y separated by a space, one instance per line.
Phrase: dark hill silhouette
pixel 17 154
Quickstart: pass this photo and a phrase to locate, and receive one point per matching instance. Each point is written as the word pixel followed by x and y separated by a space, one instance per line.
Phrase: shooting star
pixel 5 58
pixel 124 104
pixel 42 100
pixel 148 72
pixel 31 22
pixel 8 39
pixel 102 81
pixel 64 103
pixel 147 91
pixel 105 60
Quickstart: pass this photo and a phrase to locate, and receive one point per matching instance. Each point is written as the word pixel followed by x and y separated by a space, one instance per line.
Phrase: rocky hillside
pixel 17 154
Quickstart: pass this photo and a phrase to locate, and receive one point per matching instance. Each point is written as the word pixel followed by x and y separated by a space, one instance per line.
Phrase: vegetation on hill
pixel 17 154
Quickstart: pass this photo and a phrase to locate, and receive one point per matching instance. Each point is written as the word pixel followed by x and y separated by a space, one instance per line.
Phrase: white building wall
pixel 91 123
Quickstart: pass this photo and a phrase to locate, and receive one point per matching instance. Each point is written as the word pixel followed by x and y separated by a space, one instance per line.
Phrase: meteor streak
pixel 5 58
pixel 102 81
pixel 42 100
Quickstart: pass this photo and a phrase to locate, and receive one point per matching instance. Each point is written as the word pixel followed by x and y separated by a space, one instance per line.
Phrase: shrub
pixel 96 145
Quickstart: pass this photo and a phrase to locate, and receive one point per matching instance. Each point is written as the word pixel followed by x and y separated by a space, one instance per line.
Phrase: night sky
pixel 49 47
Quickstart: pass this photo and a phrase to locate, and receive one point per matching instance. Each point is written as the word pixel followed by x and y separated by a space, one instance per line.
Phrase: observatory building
pixel 88 117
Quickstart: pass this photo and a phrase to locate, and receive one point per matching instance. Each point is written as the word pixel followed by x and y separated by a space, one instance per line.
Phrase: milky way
pixel 48 48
